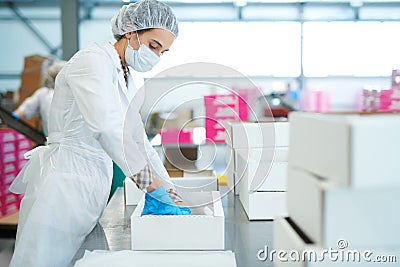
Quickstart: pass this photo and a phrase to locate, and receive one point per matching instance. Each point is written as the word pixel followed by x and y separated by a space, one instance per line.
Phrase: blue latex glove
pixel 159 202
pixel 15 115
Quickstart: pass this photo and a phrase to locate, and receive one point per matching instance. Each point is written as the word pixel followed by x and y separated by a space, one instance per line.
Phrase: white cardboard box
pixel 189 232
pixel 257 155
pixel 294 247
pixel 287 239
pixel 132 194
pixel 257 134
pixel 357 150
pixel 198 181
pixel 326 212
pixel 230 168
pixel 195 184
pixel 262 205
pixel 261 169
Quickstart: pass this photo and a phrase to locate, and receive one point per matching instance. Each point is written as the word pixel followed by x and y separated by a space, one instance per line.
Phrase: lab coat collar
pixel 110 49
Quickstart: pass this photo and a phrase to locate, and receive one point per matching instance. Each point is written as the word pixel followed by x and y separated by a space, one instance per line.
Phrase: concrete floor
pixel 6 251
pixel 243 237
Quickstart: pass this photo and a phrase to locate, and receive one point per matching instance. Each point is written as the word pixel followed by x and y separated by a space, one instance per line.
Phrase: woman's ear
pixel 128 35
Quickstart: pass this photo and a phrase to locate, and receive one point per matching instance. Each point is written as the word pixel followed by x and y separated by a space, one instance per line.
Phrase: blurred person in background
pixel 40 101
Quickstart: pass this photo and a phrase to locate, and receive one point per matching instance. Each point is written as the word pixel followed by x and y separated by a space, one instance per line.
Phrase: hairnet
pixel 52 72
pixel 145 14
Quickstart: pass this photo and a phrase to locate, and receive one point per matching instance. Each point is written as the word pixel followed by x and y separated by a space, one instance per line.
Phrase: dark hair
pixel 119 37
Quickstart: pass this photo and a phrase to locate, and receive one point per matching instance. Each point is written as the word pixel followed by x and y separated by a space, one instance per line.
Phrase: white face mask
pixel 141 60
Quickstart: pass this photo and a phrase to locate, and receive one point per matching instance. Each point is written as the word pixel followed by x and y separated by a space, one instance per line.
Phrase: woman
pixel 68 181
pixel 40 101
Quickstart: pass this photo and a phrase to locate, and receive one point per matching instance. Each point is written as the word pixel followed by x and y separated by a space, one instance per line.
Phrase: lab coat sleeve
pixel 90 76
pixel 31 105
pixel 156 165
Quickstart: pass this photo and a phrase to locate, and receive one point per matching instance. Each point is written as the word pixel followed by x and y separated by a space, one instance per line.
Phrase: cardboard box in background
pixel 356 150
pixel 35 67
pixel 178 119
pixel 189 232
pixel 366 217
pixel 180 157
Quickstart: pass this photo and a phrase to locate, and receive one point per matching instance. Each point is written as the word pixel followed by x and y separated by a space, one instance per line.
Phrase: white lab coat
pixel 40 102
pixel 68 181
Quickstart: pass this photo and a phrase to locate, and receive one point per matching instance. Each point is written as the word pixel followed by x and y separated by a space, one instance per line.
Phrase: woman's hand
pixel 156 183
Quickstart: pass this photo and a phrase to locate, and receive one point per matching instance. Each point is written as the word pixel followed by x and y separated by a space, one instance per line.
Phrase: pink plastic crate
pixel 223 111
pixel 20 136
pixel 6 168
pixel 219 108
pixel 8 158
pixel 21 153
pixel 215 132
pixel 24 144
pixel 247 99
pixel 216 136
pixel 176 136
pixel 7 135
pixel 220 100
pixel 217 124
pixel 230 105
pixel 315 101
pixel 4 189
pixel 22 163
pixel 8 198
pixel 9 208
pixel 390 100
pixel 7 179
pixel 7 147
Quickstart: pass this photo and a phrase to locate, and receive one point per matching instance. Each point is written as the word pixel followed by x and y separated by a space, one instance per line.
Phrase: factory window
pixel 350 48
pixel 253 48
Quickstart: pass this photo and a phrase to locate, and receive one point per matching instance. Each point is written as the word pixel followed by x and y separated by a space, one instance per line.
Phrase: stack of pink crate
pixel 220 108
pixel 13 146
pixel 176 136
